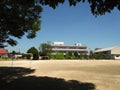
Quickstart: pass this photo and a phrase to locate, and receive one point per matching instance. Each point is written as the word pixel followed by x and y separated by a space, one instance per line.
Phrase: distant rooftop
pixel 3 51
pixel 104 49
pixel 62 44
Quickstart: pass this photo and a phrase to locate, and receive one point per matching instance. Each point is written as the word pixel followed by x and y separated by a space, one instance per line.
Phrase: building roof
pixel 57 49
pixel 3 51
pixel 104 49
pixel 70 46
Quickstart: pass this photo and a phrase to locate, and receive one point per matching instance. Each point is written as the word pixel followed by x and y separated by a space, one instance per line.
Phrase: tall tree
pixel 45 49
pixel 91 56
pixel 35 53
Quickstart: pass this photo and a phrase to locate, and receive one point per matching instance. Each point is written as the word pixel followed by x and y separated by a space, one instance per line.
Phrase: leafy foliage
pixel 52 56
pixel 59 56
pixel 18 17
pixel 45 49
pixel 83 56
pixel 103 55
pixel 35 53
pixel 98 7
pixel 76 55
pixel 70 55
pixel 91 56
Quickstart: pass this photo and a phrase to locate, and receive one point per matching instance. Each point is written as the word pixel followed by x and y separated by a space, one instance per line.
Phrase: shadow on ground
pixel 15 79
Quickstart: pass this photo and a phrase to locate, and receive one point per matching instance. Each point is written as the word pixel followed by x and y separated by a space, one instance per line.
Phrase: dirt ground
pixel 104 74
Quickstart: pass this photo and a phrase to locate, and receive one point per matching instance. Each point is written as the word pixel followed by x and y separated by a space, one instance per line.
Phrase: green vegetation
pixel 83 57
pixel 18 18
pixel 35 53
pixel 100 55
pixel 52 56
pixel 5 58
pixel 68 56
pixel 59 56
pixel 45 49
pixel 92 55
pixel 103 55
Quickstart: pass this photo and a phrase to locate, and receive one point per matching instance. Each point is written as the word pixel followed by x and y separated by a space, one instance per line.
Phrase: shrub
pixel 5 58
pixel 70 55
pixel 52 56
pixel 73 57
pixel 59 56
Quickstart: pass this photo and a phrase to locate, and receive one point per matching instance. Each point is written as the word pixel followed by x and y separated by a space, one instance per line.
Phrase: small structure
pixel 113 51
pixel 3 52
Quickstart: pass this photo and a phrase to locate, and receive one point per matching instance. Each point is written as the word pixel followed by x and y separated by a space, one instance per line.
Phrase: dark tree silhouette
pixel 98 7
pixel 17 18
pixel 35 53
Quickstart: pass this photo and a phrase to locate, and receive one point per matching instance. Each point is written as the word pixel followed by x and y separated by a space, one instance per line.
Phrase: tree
pixel 76 54
pixel 91 56
pixel 98 7
pixel 45 49
pixel 21 17
pixel 69 55
pixel 98 55
pixel 35 53
pixel 17 18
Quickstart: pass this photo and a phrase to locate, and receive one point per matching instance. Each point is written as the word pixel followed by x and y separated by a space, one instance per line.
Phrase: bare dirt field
pixel 103 74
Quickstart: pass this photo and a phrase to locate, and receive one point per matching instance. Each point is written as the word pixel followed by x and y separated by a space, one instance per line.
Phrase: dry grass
pixel 105 74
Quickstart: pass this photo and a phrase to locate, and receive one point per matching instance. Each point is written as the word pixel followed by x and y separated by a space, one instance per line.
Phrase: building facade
pixel 60 47
pixel 112 51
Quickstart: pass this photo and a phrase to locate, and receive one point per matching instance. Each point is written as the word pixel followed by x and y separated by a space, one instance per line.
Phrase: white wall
pixel 116 50
pixel 58 43
pixel 117 57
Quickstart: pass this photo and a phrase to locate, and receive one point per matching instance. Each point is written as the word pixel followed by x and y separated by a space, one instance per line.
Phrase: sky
pixel 74 25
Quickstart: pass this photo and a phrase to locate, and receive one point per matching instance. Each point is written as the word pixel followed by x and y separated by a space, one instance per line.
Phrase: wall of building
pixel 117 57
pixel 59 47
pixel 116 50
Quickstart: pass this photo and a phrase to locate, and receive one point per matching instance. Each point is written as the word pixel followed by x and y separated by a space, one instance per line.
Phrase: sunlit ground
pixel 84 74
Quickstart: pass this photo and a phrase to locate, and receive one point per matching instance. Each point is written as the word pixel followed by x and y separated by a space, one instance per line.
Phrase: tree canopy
pixel 98 7
pixel 21 17
pixel 35 53
pixel 17 18
pixel 45 49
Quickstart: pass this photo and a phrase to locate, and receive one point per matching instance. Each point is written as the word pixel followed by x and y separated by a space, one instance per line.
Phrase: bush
pixel 5 58
pixel 52 56
pixel 83 56
pixel 59 56
pixel 70 55
pixel 73 57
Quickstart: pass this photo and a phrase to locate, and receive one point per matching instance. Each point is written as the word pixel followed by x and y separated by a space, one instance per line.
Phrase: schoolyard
pixel 102 74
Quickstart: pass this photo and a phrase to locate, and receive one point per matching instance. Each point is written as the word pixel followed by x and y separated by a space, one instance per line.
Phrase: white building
pixel 60 47
pixel 114 51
